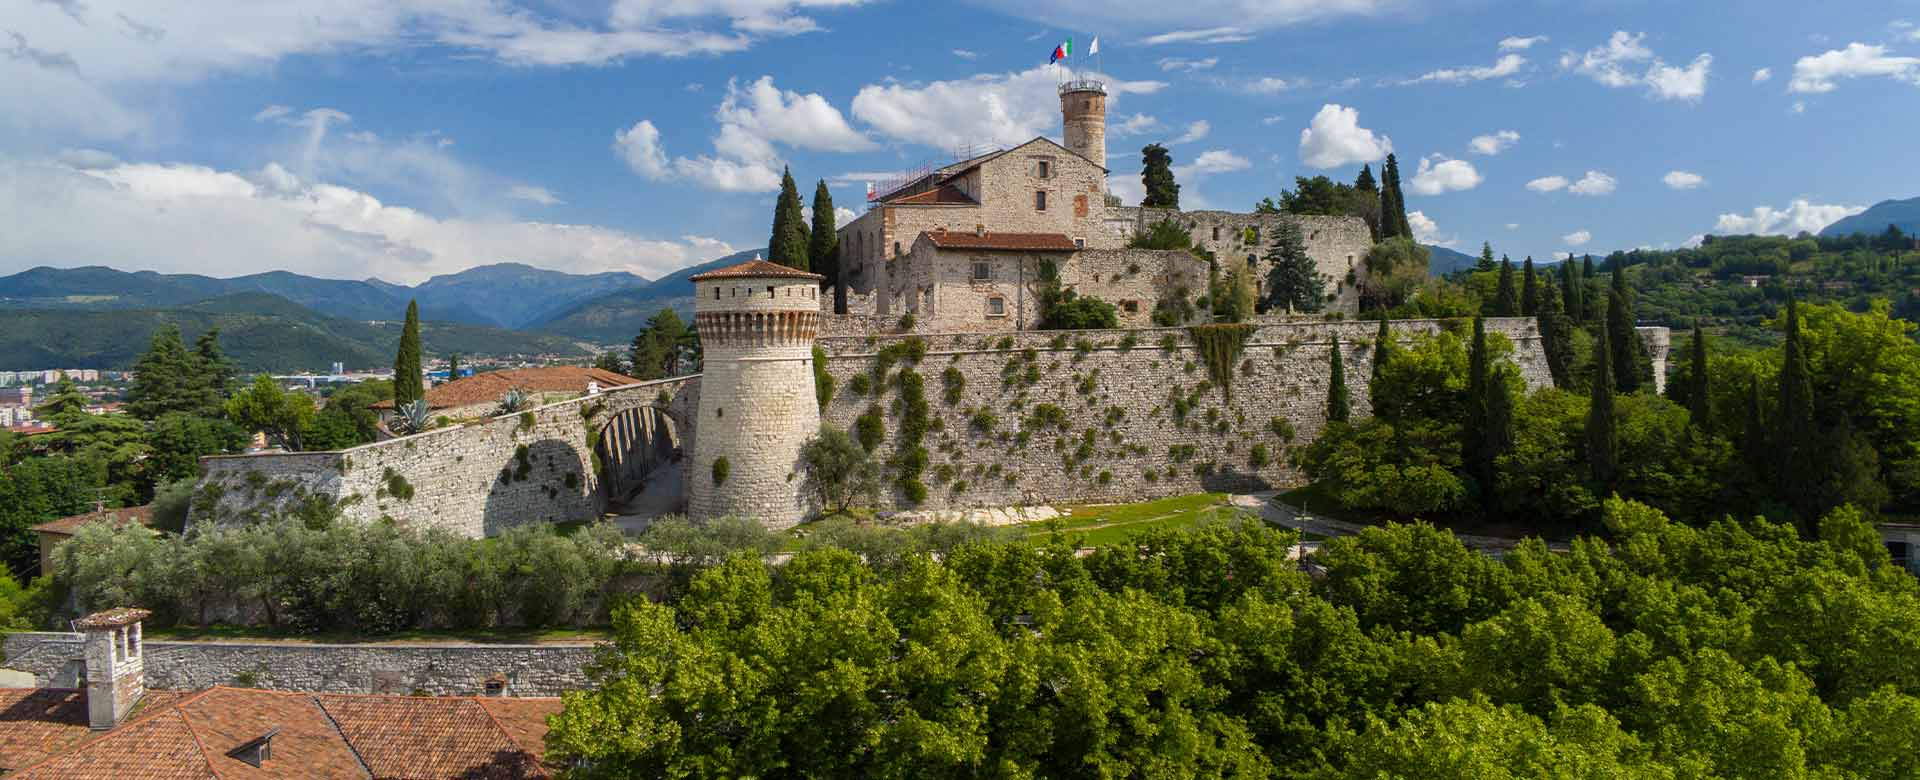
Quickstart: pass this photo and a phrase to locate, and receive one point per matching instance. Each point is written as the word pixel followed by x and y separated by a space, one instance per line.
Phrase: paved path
pixel 1280 513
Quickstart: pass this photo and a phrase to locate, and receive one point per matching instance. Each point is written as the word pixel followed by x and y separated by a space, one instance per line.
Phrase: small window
pixel 982 271
pixel 1132 307
pixel 1079 243
pixel 771 293
pixel 1040 200
pixel 896 248
pixel 716 293
pixel 996 307
pixel 1216 233
pixel 1046 169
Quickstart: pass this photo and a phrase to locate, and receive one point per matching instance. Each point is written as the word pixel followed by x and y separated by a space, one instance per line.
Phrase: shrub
pixel 870 428
pixel 841 471
pixel 721 469
pixel 953 384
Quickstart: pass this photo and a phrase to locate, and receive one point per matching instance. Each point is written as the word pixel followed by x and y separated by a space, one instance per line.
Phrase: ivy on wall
pixel 1220 347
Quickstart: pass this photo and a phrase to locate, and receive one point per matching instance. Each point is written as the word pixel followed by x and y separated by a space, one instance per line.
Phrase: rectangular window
pixel 1040 200
pixel 982 271
pixel 996 307
pixel 1046 169
pixel 1079 243
pixel 1132 307
pixel 1216 233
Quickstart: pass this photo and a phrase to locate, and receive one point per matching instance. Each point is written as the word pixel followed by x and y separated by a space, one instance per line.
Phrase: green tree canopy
pixel 1156 176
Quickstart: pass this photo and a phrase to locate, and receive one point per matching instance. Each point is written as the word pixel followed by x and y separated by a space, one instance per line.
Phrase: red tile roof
pixel 755 269
pixel 65 526
pixel 490 386
pixel 43 735
pixel 1017 242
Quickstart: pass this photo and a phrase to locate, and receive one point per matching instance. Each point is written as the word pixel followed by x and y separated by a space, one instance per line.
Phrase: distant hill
pixel 1874 221
pixel 1446 261
pixel 259 330
pixel 615 317
pixel 512 295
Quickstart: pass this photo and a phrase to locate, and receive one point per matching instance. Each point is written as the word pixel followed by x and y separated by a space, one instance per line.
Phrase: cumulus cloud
pixel 1439 174
pixel 1426 231
pixel 1270 85
pixel 1138 124
pixel 1211 162
pixel 532 194
pixel 1594 183
pixel 1207 35
pixel 1507 65
pixel 1004 108
pixel 1625 61
pixel 1245 17
pixel 1195 132
pixel 1335 139
pixel 1495 143
pixel 1176 64
pixel 1683 180
pixel 1821 73
pixel 1548 184
pixel 966 54
pixel 166 217
pixel 1521 44
pixel 1800 215
pixel 1763 75
pixel 1577 238
pixel 753 119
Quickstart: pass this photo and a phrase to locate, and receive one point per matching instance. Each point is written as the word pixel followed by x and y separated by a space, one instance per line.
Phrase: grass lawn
pixel 1096 525
pixel 494 636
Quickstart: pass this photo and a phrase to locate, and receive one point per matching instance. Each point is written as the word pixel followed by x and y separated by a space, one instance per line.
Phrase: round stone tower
pixel 757 323
pixel 1083 107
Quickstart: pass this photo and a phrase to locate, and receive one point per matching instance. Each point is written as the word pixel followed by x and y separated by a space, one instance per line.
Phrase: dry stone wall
pixel 1121 415
pixel 55 660
pixel 476 479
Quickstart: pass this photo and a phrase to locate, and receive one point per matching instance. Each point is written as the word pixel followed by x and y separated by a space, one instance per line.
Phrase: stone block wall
pixel 1338 245
pixel 476 479
pixel 1123 415
pixel 54 660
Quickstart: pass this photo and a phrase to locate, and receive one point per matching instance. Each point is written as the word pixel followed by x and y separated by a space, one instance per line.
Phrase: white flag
pixel 1094 48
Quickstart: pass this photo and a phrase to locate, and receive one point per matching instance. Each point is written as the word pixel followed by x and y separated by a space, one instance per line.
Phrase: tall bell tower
pixel 1083 109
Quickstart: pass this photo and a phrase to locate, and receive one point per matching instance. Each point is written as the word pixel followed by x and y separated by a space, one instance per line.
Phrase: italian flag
pixel 1061 52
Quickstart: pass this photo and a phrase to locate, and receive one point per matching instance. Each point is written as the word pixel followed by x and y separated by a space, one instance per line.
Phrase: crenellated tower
pixel 757 323
pixel 1083 112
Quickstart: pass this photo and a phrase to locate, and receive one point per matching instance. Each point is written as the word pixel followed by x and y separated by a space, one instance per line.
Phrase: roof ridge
pixel 504 732
pixel 197 741
pixel 344 739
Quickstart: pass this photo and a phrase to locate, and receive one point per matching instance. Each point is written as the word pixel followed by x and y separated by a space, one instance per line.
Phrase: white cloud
pixel 1273 120
pixel 1426 231
pixel 1513 226
pixel 1208 35
pixel 1798 107
pixel 1683 180
pixel 1127 187
pixel 88 159
pixel 1495 143
pixel 1625 61
pixel 1818 74
pixel 1521 44
pixel 1507 65
pixel 752 119
pixel 1548 184
pixel 1209 163
pixel 1335 139
pixel 532 194
pixel 174 217
pixel 1800 215
pixel 965 54
pixel 1138 124
pixel 1763 75
pixel 1142 17
pixel 1187 66
pixel 1577 238
pixel 1594 183
pixel 271 112
pixel 1005 108
pixel 790 118
pixel 1438 175
pixel 1195 132
pixel 1273 86
pixel 640 147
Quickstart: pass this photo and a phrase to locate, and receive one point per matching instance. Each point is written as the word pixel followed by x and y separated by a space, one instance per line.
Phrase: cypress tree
pixel 1506 298
pixel 788 244
pixel 1369 193
pixel 1486 258
pixel 1571 287
pixel 1699 402
pixel 1631 367
pixel 408 383
pixel 1156 176
pixel 1364 182
pixel 1393 204
pixel 1529 289
pixel 1382 352
pixel 1475 434
pixel 1339 407
pixel 1602 442
pixel 1556 337
pixel 453 366
pixel 1753 441
pixel 1795 430
pixel 1589 297
pixel 823 244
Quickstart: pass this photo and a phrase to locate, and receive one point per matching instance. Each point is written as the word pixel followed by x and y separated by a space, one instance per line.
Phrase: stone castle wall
pixel 1096 416
pixel 55 660
pixel 475 479
pixel 939 289
pixel 1338 245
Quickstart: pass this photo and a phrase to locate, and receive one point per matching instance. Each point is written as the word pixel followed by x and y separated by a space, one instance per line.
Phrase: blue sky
pixel 404 138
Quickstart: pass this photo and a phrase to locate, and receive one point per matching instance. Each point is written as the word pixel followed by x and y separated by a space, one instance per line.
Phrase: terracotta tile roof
pixel 1018 242
pixel 121 516
pixel 755 268
pixel 489 386
pixel 943 195
pixel 44 735
pixel 112 618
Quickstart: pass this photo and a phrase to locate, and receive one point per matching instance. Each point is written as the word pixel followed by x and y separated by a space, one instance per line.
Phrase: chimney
pixel 116 664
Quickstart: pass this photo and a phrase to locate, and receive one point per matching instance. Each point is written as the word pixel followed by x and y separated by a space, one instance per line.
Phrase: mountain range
pixel 1902 213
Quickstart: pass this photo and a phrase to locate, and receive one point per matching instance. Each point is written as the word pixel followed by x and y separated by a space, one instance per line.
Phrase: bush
pixel 721 469
pixel 840 471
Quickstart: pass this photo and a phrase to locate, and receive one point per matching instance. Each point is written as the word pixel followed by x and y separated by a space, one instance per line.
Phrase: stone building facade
pixel 991 282
pixel 1338 245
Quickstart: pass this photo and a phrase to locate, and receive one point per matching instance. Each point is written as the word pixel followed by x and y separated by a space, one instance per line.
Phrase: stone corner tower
pixel 1083 109
pixel 757 323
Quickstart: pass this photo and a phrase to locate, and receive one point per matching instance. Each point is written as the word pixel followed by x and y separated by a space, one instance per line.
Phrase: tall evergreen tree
pixel 1529 289
pixel 1339 405
pixel 1156 175
pixel 1364 182
pixel 1506 297
pixel 1474 431
pixel 1573 289
pixel 217 374
pixel 1755 446
pixel 453 366
pixel 164 378
pixel 1486 258
pixel 1602 440
pixel 1796 432
pixel 1393 204
pixel 662 346
pixel 1294 282
pixel 1591 296
pixel 788 244
pixel 409 384
pixel 1632 368
pixel 823 240
pixel 1699 400
pixel 1383 346
pixel 1556 336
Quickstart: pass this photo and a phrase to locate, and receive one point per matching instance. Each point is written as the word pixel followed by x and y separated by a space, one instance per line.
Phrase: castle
pixel 927 350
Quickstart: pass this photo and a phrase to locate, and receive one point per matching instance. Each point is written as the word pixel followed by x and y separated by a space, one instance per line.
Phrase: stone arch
pixel 638 455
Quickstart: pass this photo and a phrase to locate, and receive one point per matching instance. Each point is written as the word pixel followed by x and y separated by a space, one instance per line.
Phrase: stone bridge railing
pixel 475 479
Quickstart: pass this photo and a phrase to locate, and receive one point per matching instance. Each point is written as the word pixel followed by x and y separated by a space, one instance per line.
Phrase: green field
pixel 1103 524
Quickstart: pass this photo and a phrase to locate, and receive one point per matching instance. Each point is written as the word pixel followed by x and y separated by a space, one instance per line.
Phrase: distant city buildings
pixel 48 376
